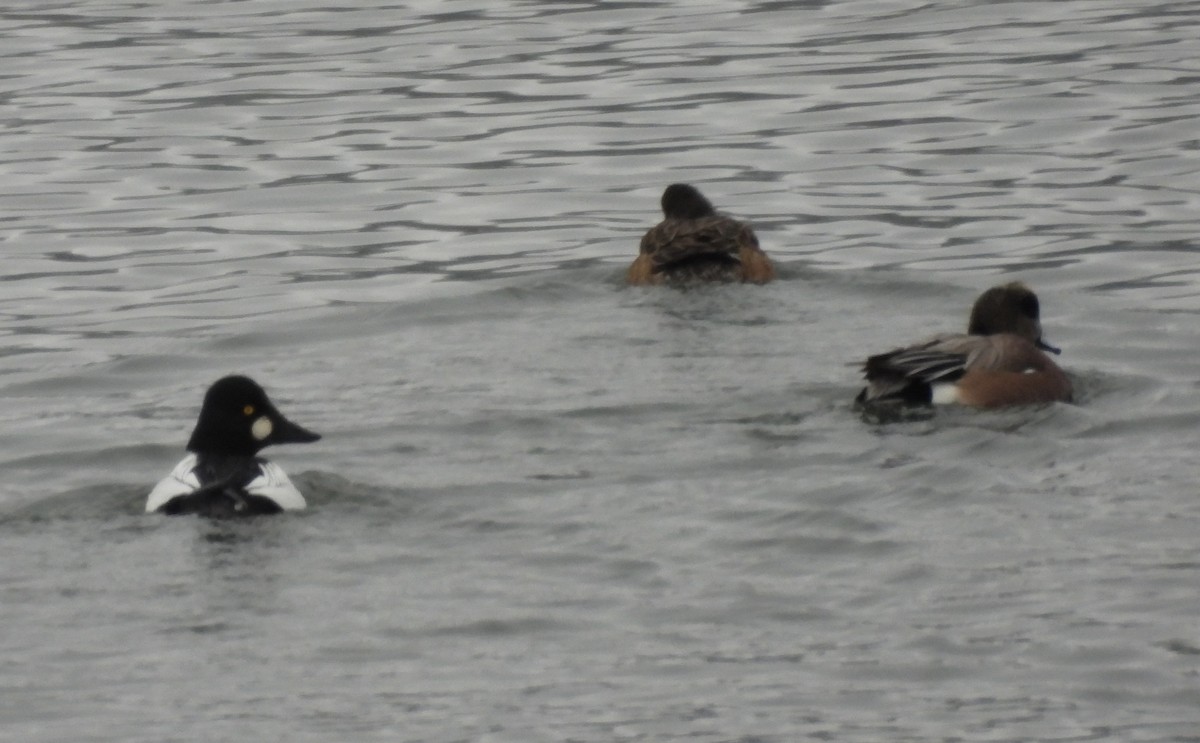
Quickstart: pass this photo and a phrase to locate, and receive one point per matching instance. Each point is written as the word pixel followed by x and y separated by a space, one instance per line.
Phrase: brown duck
pixel 1000 361
pixel 695 244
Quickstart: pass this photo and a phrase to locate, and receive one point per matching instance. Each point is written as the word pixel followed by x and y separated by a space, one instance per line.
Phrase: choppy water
pixel 551 508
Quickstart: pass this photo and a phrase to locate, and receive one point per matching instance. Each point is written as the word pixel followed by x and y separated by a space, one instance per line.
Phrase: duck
pixel 695 244
pixel 1001 360
pixel 222 475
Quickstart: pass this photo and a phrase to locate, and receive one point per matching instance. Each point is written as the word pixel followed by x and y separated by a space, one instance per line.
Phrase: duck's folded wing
pixel 999 352
pixel 907 375
pixel 677 240
pixel 939 359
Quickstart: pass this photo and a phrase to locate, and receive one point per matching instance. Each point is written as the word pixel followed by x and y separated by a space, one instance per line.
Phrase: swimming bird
pixel 222 476
pixel 1001 360
pixel 696 244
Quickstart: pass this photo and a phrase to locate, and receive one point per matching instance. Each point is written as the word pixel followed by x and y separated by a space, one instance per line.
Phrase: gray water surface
pixel 548 507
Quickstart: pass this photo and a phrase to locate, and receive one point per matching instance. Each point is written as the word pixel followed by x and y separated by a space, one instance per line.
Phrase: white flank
pixel 273 483
pixel 944 394
pixel 181 481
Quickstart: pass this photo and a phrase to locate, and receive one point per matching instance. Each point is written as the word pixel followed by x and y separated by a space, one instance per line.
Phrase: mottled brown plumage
pixel 999 361
pixel 695 244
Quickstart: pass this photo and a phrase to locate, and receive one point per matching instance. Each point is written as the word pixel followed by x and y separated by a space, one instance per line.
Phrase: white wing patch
pixel 272 482
pixel 181 481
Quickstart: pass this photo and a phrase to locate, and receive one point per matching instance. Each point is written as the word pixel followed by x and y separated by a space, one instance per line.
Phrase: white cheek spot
pixel 262 428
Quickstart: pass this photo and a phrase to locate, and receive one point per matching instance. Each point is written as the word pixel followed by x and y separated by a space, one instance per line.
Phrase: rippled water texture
pixel 548 507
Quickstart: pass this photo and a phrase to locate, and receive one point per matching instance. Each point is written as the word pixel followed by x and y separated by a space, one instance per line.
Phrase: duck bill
pixel 286 432
pixel 1047 347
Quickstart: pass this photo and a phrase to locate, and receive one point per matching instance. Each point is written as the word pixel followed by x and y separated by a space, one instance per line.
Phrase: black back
pixel 222 492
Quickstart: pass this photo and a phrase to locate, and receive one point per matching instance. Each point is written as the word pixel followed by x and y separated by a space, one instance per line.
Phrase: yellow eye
pixel 248 410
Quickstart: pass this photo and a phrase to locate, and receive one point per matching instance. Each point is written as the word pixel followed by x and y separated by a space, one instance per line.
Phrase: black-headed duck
pixel 222 476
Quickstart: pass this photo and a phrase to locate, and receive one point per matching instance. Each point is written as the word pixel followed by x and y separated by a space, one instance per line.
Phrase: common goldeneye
pixel 222 475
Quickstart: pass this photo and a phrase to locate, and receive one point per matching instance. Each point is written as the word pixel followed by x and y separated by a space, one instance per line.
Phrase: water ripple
pixel 574 510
